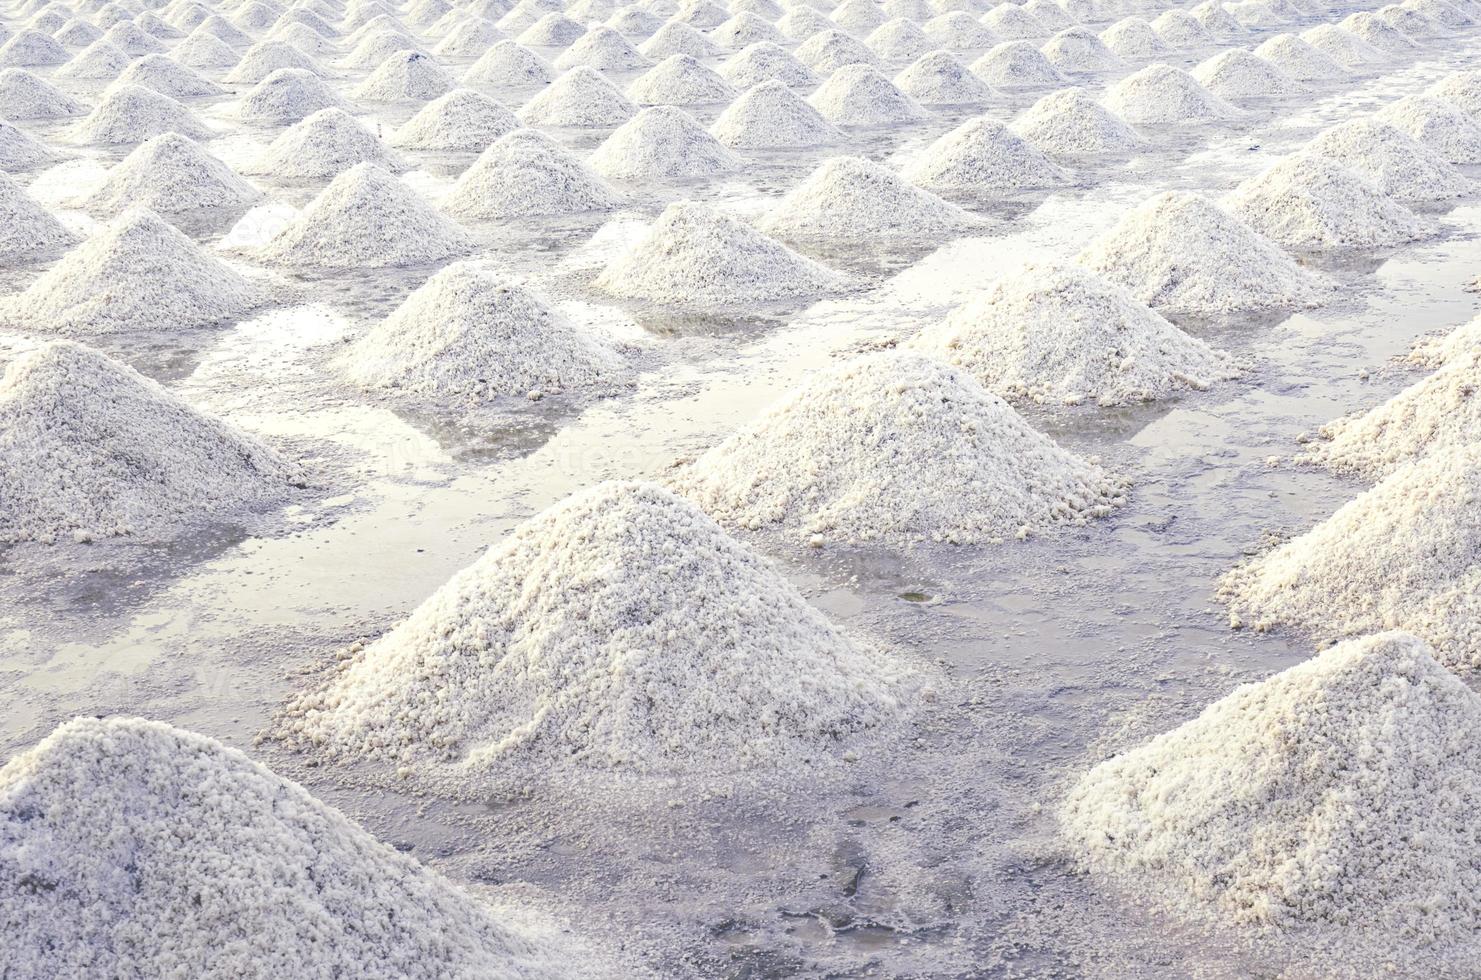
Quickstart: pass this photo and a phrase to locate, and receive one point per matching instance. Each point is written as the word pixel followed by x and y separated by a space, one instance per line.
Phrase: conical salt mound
pixel 1061 334
pixel 1310 202
pixel 694 256
pixel 1397 163
pixel 461 120
pixel 285 97
pixel 855 199
pixel 1017 64
pixel 676 38
pixel 158 72
pixel 766 62
pixel 620 629
pixel 680 80
pixel 28 230
pixel 1376 31
pixel 266 57
pixel 1078 51
pixel 136 273
pixel 1237 74
pixel 1343 47
pixel 19 151
pixel 1180 253
pixel 939 79
pixel 135 848
pixel 1133 37
pixel 1211 16
pixel 1399 556
pixel 1338 792
pixel 603 49
pixel 91 448
pixel 1070 123
pixel 662 143
pixel 981 156
pixel 898 40
pixel 132 114
pixel 507 65
pixel 827 51
pixel 24 97
pixel 327 143
pixel 771 116
pixel 365 218
pixel 170 175
pixel 77 33
pixel 467 334
pixel 99 61
pixel 872 449
pixel 376 48
pixel 580 97
pixel 858 95
pixel 407 76
pixel 526 174
pixel 743 29
pixel 1438 350
pixel 469 39
pixel 1298 59
pixel 1165 95
pixel 1009 22
pixel 1461 89
pixel 30 48
pixel 1438 124
pixel 203 51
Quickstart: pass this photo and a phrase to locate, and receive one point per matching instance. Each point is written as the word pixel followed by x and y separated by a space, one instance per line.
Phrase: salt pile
pixel 1398 164
pixel 1078 51
pixel 326 143
pixel 1061 334
pixel 554 30
pixel 1017 64
pixel 1133 37
pixel 766 62
pixel 204 51
pixel 852 198
pixel 1178 252
pixel 24 97
pixel 365 218
pixel 1400 556
pixel 167 78
pixel 679 80
pixel 743 29
pixel 580 97
pixel 285 97
pixel 99 61
pixel 1377 32
pixel 461 120
pixel 636 23
pixel 526 174
pixel 871 449
pixel 620 629
pixel 1343 46
pixel 662 143
pixel 469 39
pixel 857 16
pixel 376 48
pixel 603 49
pixel 77 33
pixel 858 95
pixel 1437 124
pixel 266 57
pixel 91 448
pixel 1311 202
pixel 507 65
pixel 1298 59
pixel 898 40
pixel 31 49
pixel 134 848
pixel 1182 30
pixel 1237 74
pixel 1461 89
pixel 1214 17
pixel 135 273
pixel 1339 791
pixel 801 22
pixel 131 114
pixel 939 79
pixel 828 51
pixel 27 230
pixel 18 151
pixel 694 256
pixel 959 32
pixel 982 156
pixel 1165 95
pixel 1461 342
pixel 772 116
pixel 406 76
pixel 1070 123
pixel 170 175
pixel 466 333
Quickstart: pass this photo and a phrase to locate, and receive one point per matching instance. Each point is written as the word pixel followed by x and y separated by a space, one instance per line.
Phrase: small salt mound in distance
pixel 285 97
pixel 306 39
pixel 1078 51
pixel 1061 334
pixel 743 29
pixel 635 23
pixel 982 156
pixel 1214 17
pixel 525 174
pixel 158 72
pixel 1008 21
pixel 1445 14
pixel 170 175
pixel 1161 94
pixel 1052 15
pixel 662 143
pixel 857 16
pixel 131 114
pixel 507 65
pixel 771 116
pixel 1336 792
pixel 858 95
pixel 27 230
pixel 1437 124
pixel 1410 22
pixel 1461 89
pixel 1378 32
pixel 100 61
pixel 676 38
pixel 1399 556
pixel 405 77
pixel 19 151
pixel 77 34
pixel 939 79
pixel 163 852
pixel 621 629
pixel 461 120
pixel 828 51
pixel 31 49
pixel 680 80
pixel 880 449
pixel 581 97
pixel 696 257
pixel 1133 37
pixel 554 30
pixel 1178 252
pixel 603 49
pixel 851 198
pixel 1462 342
pixel 24 97
pixel 91 448
pixel 326 143
pixel 1070 123
pixel 1311 202
pixel 467 334
pixel 1397 163
pixel 204 51
pixel 1238 74
pixel 1343 46
pixel 469 39
pixel 266 57
pixel 898 40
pixel 1017 64
pixel 1298 59
pixel 136 273
pixel 766 62
pixel 379 46
pixel 957 31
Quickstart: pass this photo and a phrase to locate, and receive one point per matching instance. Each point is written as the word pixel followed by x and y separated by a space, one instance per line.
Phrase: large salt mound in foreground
pixel 92 448
pixel 28 230
pixel 982 157
pixel 1307 201
pixel 526 174
pixel 1070 123
pixel 130 848
pixel 1060 333
pixel 136 273
pixel 467 333
pixel 694 256
pixel 662 143
pixel 171 175
pixel 854 198
pixel 620 629
pixel 1397 163
pixel 899 448
pixel 1403 555
pixel 365 217
pixel 1178 252
pixel 1160 94
pixel 1341 791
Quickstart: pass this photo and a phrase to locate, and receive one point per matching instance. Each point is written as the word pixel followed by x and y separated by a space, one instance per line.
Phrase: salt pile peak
pixel 1397 163
pixel 581 97
pixel 323 144
pixel 1310 202
pixel 407 76
pixel 1238 74
pixel 132 114
pixel 526 174
pixel 854 198
pixel 937 78
pixel 171 175
pixel 460 120
pixel 981 157
pixel 770 116
pixel 1162 94
pixel 27 230
pixel 662 143
pixel 1070 123
pixel 508 65
pixel 680 80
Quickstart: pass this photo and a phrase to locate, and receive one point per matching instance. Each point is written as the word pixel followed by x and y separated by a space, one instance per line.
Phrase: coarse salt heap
pixel 1298 59
pixel 1340 791
pixel 1397 163
pixel 1070 123
pixel 19 151
pixel 100 61
pixel 24 97
pixel 460 120
pixel 854 198
pixel 507 65
pixel 134 848
pixel 680 80
pixel 828 51
pixel 1180 253
pixel 526 174
pixel 674 38
pixel 326 143
pixel 694 256
pixel 1311 202
pixel 285 97
pixel 763 62
pixel 900 448
pixel 1378 32
pixel 132 114
pixel 939 79
pixel 365 218
pixel 27 230
pixel 581 97
pixel 982 156
pixel 1062 334
pixel 266 57
pixel 1237 74
pixel 171 175
pixel 603 49
pixel 771 116
pixel 620 629
pixel 1165 95
pixel 1440 125
pixel 1017 64
pixel 1078 51
pixel 662 143
pixel 1437 351
pixel 1343 46
pixel 1134 37
pixel 1461 89
pixel 160 73
pixel 406 76
pixel 91 448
